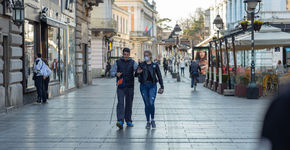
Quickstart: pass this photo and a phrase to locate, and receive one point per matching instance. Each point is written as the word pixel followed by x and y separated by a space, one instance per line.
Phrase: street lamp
pixel 252 90
pixel 176 33
pixel 218 22
pixel 18 12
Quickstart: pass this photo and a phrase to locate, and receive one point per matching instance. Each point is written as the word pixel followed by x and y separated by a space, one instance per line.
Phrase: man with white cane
pixel 124 70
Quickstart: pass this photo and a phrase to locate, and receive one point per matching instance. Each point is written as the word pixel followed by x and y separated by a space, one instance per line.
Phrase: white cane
pixel 113 106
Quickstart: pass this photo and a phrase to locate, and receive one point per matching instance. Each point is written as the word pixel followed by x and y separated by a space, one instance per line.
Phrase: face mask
pixel 146 58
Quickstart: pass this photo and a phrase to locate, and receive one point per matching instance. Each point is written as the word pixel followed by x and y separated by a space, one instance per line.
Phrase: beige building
pixel 103 28
pixel 288 5
pixel 142 26
pixel 122 38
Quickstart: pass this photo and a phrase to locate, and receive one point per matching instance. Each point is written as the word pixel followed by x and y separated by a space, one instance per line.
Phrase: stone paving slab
pixel 186 119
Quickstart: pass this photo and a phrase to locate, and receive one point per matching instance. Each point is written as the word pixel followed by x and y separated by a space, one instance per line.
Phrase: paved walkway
pixel 201 120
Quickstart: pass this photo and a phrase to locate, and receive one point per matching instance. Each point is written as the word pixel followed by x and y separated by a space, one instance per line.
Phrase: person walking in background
pixel 124 70
pixel 165 66
pixel 38 70
pixel 54 68
pixel 182 66
pixel 108 68
pixel 280 68
pixel 46 73
pixel 194 71
pixel 149 74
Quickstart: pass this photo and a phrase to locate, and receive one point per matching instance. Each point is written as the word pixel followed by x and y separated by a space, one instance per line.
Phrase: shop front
pixel 55 40
pixel 234 60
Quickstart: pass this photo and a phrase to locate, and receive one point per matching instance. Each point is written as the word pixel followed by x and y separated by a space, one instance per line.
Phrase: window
pixel 71 58
pixel 53 52
pixel 118 25
pixel 29 53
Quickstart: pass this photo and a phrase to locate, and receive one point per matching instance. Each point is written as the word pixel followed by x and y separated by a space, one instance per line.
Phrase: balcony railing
pixel 139 34
pixel 103 24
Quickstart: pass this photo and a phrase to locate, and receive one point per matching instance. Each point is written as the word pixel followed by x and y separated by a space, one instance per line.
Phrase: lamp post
pixel 218 22
pixel 18 12
pixel 176 33
pixel 252 90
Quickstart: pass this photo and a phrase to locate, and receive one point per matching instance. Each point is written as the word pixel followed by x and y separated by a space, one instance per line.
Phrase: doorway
pixel 85 66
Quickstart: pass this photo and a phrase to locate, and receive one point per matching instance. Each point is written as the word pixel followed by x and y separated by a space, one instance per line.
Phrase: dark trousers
pixel 182 71
pixel 125 103
pixel 148 92
pixel 194 79
pixel 39 87
pixel 45 89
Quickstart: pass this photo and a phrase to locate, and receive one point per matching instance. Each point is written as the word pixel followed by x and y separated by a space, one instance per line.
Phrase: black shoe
pixel 153 124
pixel 148 125
pixel 45 102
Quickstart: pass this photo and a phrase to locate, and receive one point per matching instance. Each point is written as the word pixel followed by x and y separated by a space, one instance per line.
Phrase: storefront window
pixel 29 53
pixel 53 52
pixel 62 64
pixel 71 58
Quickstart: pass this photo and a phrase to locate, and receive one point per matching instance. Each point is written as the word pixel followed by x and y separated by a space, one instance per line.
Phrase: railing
pixel 139 34
pixel 103 24
pixel 266 16
pixel 274 15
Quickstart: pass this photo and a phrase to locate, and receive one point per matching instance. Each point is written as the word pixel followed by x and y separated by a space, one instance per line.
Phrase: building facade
pixel 122 38
pixel 103 28
pixel 11 53
pixel 142 24
pixel 59 30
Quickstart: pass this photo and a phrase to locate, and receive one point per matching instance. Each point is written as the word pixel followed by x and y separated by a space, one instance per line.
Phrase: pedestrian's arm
pixel 159 77
pixel 113 71
pixel 135 69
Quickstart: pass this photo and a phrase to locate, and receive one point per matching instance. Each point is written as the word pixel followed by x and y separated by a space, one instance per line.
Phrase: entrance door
pixel 85 66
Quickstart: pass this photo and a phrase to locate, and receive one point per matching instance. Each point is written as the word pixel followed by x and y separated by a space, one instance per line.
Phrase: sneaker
pixel 120 124
pixel 153 124
pixel 45 102
pixel 130 124
pixel 148 125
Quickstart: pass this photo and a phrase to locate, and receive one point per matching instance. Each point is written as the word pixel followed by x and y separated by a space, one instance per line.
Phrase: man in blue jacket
pixel 124 70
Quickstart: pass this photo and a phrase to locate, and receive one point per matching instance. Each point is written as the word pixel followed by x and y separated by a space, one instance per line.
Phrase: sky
pixel 176 9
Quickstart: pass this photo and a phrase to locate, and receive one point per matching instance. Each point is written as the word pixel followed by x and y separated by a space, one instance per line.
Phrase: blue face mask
pixel 146 58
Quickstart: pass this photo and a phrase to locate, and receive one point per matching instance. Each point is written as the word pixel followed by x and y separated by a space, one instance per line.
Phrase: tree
pixel 193 27
pixel 163 24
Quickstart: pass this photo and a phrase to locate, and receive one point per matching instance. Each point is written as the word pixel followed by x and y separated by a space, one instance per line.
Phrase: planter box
pixel 221 88
pixel 241 90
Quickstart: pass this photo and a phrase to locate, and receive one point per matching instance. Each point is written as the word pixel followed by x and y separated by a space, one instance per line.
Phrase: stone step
pixel 229 92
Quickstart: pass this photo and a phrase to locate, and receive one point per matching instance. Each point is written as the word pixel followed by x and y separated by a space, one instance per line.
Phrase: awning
pixel 268 37
pixel 53 22
pixel 205 42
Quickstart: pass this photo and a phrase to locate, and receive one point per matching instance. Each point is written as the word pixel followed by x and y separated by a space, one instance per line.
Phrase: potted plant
pixel 245 24
pixel 257 25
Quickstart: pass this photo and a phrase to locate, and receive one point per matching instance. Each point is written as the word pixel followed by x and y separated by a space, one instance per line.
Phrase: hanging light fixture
pixel 18 12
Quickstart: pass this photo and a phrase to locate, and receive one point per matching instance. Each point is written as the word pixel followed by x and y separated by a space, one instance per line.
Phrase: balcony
pixel 275 16
pixel 107 25
pixel 140 35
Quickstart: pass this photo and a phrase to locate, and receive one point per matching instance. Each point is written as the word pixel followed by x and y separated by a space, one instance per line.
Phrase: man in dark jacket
pixel 276 127
pixel 194 71
pixel 124 69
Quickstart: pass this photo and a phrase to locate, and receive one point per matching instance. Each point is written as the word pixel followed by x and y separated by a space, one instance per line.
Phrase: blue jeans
pixel 148 92
pixel 194 76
